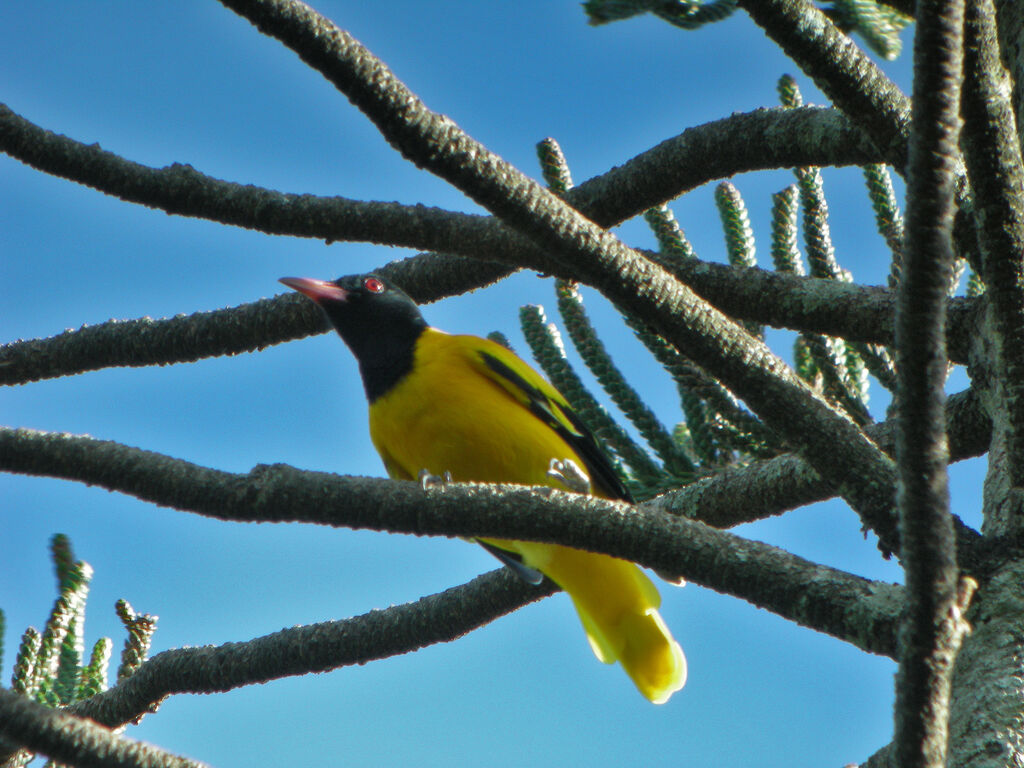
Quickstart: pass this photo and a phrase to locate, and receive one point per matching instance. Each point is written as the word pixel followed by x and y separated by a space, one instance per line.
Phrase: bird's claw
pixel 569 474
pixel 428 480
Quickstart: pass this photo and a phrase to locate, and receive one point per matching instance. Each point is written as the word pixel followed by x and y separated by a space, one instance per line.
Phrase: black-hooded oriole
pixel 468 407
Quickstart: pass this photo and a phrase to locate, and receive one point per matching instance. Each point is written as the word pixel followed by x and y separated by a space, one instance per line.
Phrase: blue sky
pixel 190 82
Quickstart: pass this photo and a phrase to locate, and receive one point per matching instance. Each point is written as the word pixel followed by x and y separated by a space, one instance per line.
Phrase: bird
pixel 468 409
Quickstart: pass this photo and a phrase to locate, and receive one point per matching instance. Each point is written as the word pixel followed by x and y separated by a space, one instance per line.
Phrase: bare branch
pixel 830 307
pixel 813 595
pixel 321 647
pixel 400 629
pixel 74 740
pixel 932 629
pixel 777 485
pixel 841 70
pixel 181 189
pixel 739 143
pixel 762 140
pixel 993 154
pixel 245 328
pixel 843 310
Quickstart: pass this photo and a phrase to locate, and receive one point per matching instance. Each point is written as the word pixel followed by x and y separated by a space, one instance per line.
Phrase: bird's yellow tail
pixel 618 606
pixel 651 656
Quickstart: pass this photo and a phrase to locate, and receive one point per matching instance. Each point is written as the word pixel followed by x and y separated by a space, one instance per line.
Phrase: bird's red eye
pixel 373 285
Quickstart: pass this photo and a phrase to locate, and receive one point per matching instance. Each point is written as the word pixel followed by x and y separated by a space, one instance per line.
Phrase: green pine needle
pixel 554 166
pixel 63 558
pixel 23 680
pixel 69 665
pixel 880 25
pixel 821 255
pixel 785 241
pixel 789 92
pixel 703 398
pixel 739 236
pixel 806 367
pixel 141 627
pixel 672 241
pixel 49 666
pixel 62 619
pixel 500 338
pixel 831 360
pixel 879 363
pixel 94 676
pixel 888 217
pixel 975 285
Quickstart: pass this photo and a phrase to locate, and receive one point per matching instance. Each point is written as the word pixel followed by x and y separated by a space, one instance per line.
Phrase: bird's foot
pixel 569 474
pixel 428 480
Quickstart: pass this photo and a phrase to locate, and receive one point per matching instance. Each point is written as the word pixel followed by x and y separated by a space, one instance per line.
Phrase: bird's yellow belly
pixel 450 419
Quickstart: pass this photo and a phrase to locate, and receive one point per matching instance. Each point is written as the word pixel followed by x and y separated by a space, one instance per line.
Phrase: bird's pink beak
pixel 317 290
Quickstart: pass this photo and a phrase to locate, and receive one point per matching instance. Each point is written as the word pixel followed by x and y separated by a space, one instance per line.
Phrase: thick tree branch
pixel 1010 23
pixel 743 142
pixel 761 140
pixel 830 307
pixel 988 692
pixel 73 740
pixel 992 149
pixel 765 139
pixel 843 310
pixel 773 486
pixel 321 647
pixel 181 189
pixel 846 606
pixel 841 70
pixel 245 328
pixel 932 629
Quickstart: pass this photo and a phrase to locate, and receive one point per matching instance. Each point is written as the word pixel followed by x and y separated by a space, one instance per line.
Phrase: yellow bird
pixel 468 407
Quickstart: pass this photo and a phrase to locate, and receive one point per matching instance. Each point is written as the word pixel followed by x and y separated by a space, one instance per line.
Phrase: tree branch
pixel 830 307
pixel 181 189
pixel 743 142
pixel 761 140
pixel 73 740
pixel 321 647
pixel 245 328
pixel 993 154
pixel 841 70
pixel 843 310
pixel 773 486
pixel 932 628
pixel 765 139
pixel 841 604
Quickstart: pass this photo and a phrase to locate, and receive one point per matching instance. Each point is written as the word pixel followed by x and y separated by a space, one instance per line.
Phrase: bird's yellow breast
pixel 449 414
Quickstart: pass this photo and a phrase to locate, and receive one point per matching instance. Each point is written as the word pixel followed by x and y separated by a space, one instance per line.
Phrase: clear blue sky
pixel 190 82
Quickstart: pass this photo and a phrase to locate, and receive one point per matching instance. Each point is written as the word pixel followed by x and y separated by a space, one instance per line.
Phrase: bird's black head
pixel 378 322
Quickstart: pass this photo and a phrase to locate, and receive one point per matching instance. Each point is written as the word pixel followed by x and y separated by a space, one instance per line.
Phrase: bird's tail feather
pixel 618 606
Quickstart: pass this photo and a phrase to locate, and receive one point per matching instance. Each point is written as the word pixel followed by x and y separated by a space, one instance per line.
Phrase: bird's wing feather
pixel 548 405
pixel 515 562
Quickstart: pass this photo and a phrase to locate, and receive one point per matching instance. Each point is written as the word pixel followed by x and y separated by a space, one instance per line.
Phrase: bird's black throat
pixel 384 358
pixel 380 328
